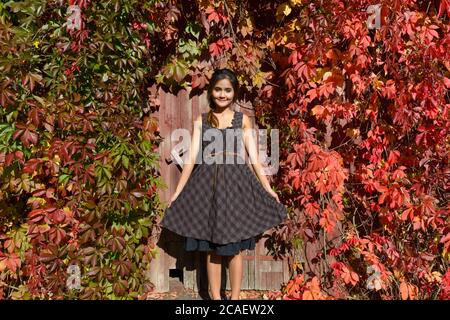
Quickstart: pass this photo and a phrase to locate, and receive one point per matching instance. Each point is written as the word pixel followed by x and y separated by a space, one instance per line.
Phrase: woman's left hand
pixel 273 194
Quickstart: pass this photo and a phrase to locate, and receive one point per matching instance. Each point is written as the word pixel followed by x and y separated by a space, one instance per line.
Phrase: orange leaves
pixel 422 214
pixel 319 111
pixel 329 218
pixel 298 289
pixel 295 160
pixel 408 213
pixel 408 291
pixel 345 273
pixel 312 209
pixel 350 277
pixel 313 291
pixel 312 171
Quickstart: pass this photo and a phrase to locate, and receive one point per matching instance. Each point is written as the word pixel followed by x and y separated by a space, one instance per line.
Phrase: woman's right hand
pixel 173 198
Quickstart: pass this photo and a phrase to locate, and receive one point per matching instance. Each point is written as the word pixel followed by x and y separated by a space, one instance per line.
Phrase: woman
pixel 222 207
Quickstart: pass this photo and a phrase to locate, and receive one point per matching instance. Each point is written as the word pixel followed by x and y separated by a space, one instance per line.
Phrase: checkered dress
pixel 223 201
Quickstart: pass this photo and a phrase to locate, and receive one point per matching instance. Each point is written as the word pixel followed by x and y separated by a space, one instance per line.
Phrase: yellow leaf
pixel 320 72
pixel 287 10
pixel 258 79
pixel 283 9
pixel 295 2
pixel 352 132
pixel 317 110
pixel 326 75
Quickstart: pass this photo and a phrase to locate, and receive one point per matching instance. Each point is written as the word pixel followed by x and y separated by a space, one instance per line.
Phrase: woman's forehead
pixel 223 83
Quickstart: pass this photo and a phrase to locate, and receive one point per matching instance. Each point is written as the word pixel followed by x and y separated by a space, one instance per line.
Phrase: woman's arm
pixel 190 158
pixel 250 145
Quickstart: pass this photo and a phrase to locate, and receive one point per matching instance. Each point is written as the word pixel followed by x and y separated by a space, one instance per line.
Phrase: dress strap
pixel 237 120
pixel 204 120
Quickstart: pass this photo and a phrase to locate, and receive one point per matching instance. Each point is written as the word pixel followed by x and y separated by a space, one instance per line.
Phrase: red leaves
pixel 31 165
pixel 388 90
pixel 31 79
pixel 345 273
pixel 216 16
pixel 446 241
pixel 305 70
pixel 218 47
pixel 9 261
pixel 427 33
pixel 329 218
pixel 27 134
pixel 444 7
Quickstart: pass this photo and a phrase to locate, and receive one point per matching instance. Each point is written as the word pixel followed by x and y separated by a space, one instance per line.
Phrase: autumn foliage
pixel 78 159
pixel 358 90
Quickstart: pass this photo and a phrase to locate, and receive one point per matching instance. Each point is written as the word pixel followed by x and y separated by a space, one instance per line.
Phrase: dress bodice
pixel 223 145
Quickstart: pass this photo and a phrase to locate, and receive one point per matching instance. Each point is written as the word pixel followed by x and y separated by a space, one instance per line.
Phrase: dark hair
pixel 218 75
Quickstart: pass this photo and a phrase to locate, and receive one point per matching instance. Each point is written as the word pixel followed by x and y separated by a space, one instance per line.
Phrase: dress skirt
pixel 229 249
pixel 223 206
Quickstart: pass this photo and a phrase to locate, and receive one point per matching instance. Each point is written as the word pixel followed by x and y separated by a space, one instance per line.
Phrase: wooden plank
pixel 244 284
pixel 258 276
pixel 173 119
pixel 158 275
pixel 189 274
pixel 251 274
pixel 185 122
pixel 275 280
pixel 286 275
pixel 159 272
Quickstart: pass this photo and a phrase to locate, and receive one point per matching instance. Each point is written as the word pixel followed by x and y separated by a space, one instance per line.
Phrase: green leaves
pixel 193 28
pixel 121 153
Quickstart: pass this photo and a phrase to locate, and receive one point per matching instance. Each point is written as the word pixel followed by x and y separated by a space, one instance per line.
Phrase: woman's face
pixel 223 93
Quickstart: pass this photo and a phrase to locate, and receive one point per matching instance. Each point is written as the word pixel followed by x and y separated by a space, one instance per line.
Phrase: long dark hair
pixel 218 75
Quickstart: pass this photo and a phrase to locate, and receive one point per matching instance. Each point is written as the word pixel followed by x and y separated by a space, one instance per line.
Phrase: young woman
pixel 222 206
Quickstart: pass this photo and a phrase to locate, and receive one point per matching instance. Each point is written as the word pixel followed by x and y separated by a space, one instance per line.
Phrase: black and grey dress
pixel 223 205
